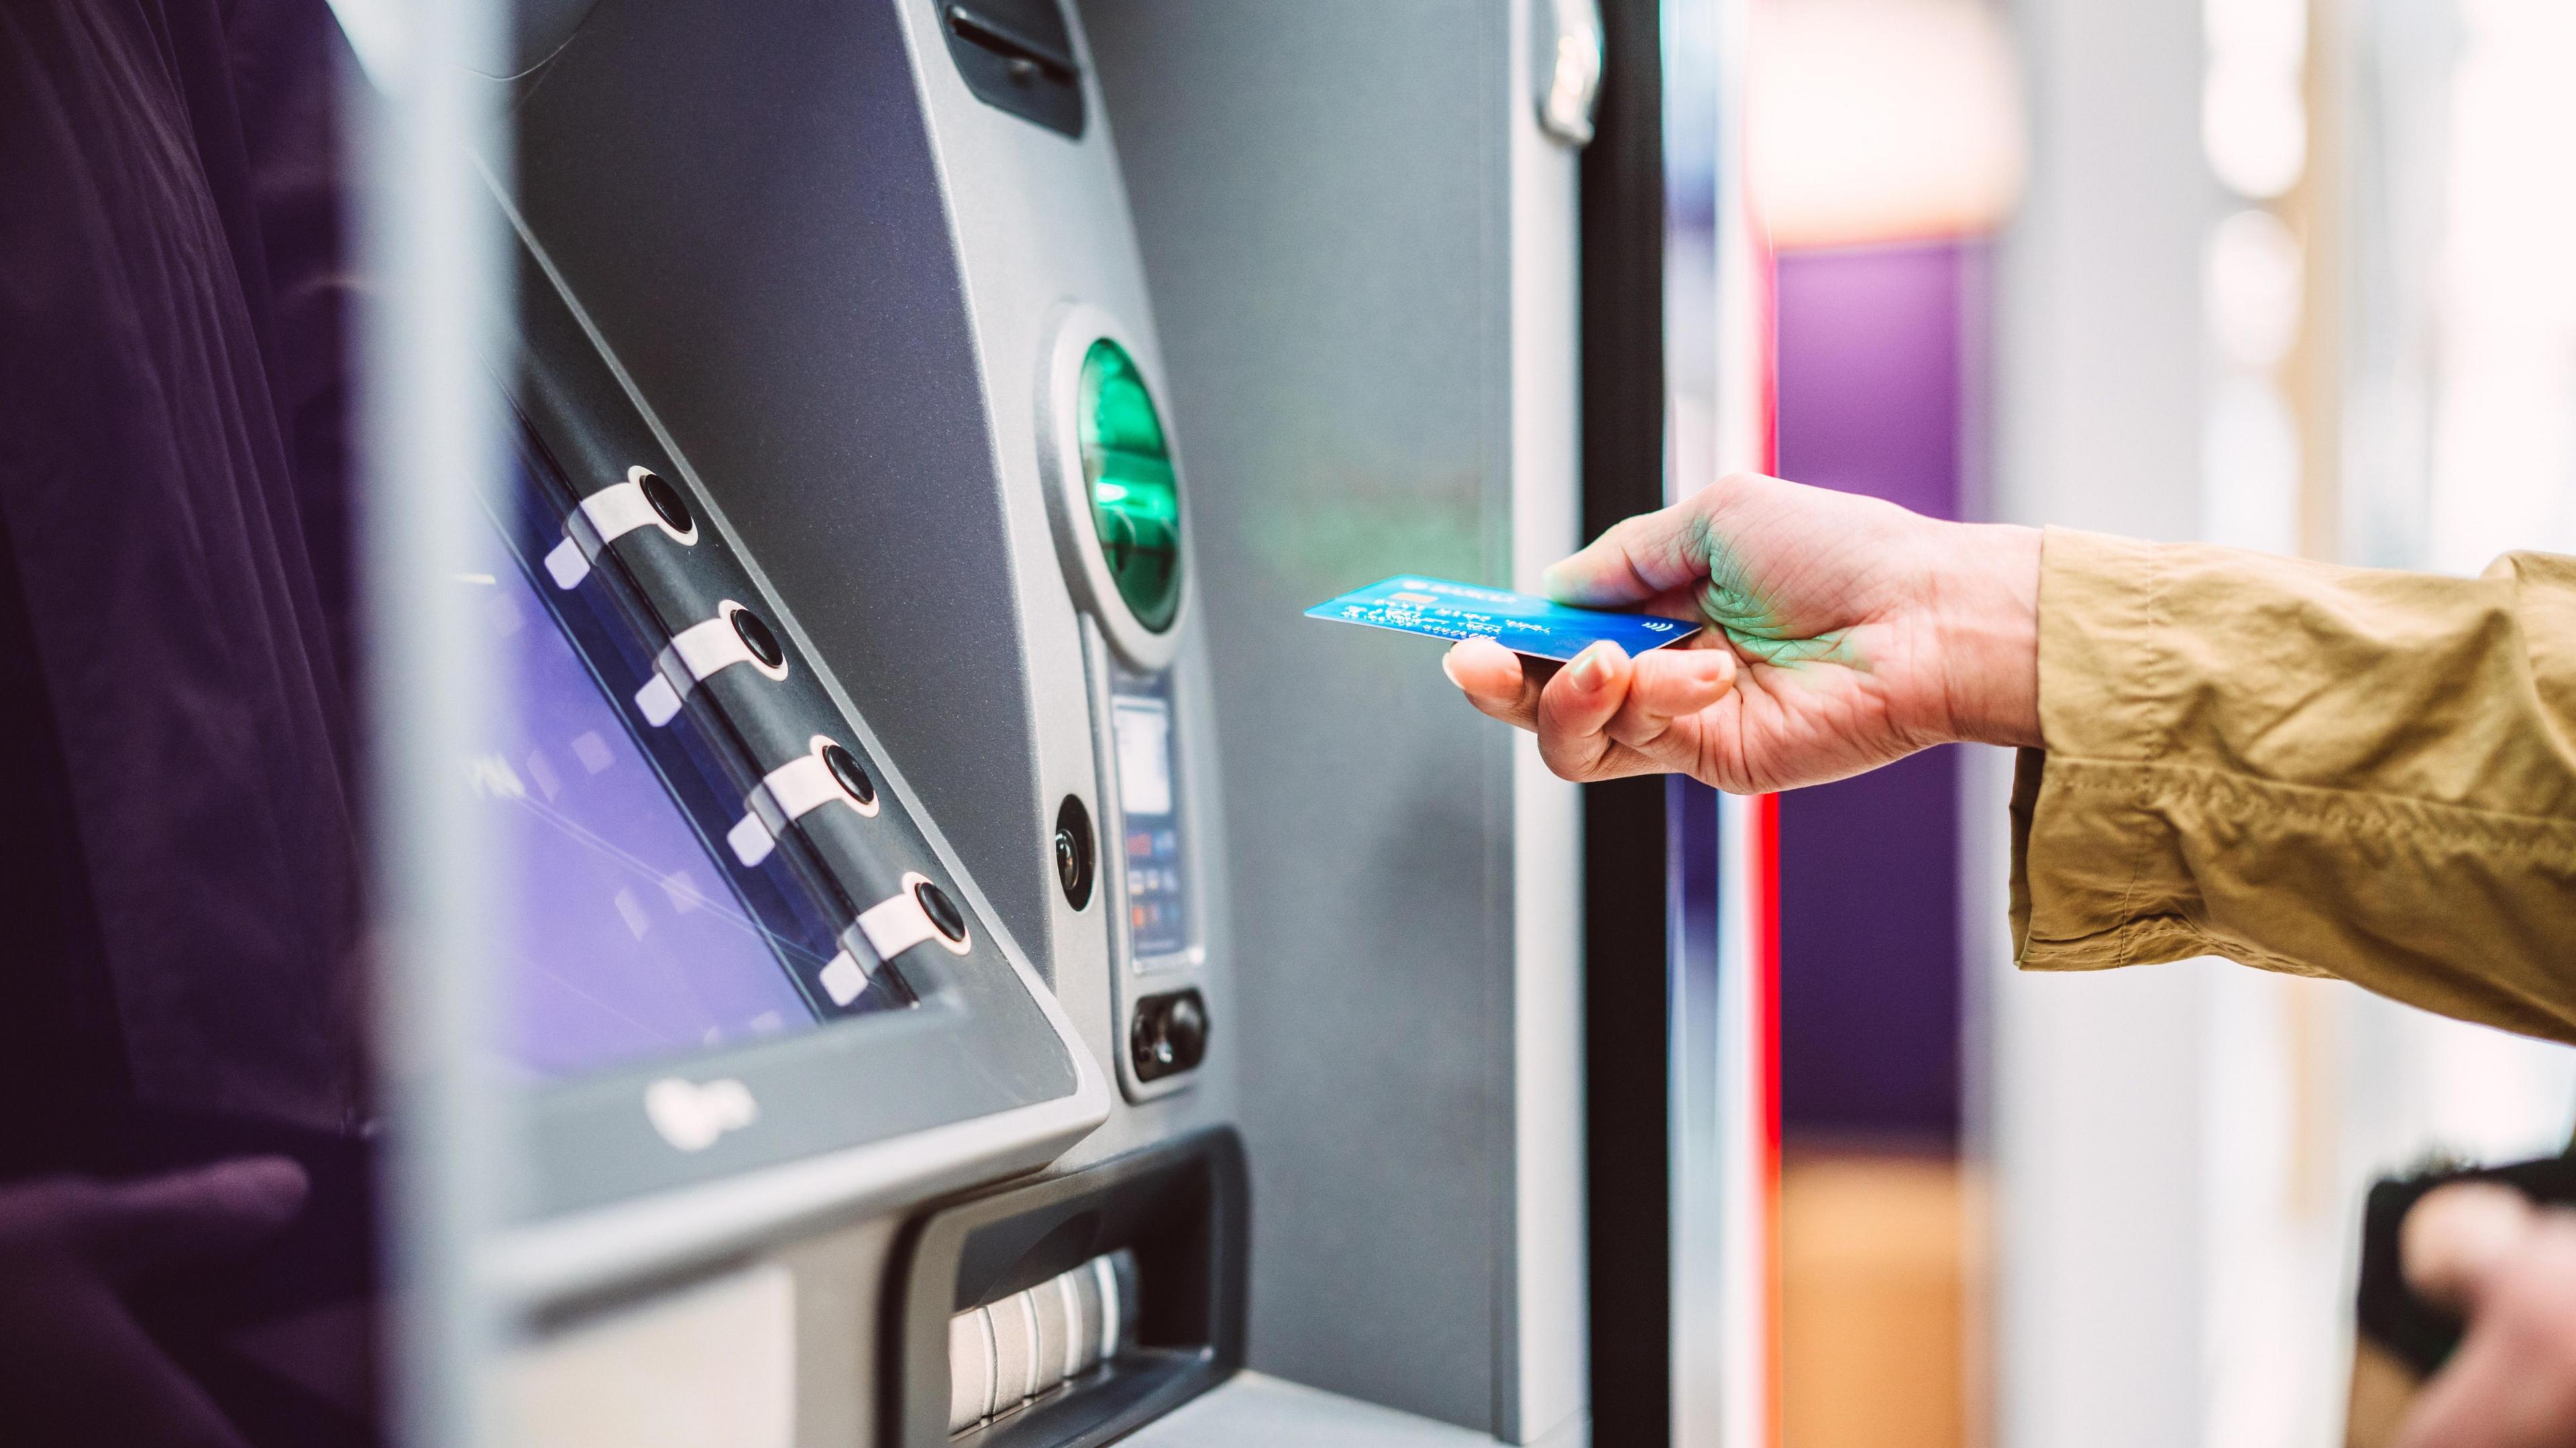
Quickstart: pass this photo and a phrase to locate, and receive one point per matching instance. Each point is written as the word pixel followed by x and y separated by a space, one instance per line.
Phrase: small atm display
pixel 625 936
pixel 1158 917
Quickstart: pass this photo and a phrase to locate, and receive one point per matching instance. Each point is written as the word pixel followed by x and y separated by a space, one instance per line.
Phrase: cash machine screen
pixel 625 935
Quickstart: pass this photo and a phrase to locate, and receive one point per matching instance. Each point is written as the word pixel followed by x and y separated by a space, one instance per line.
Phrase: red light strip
pixel 1762 881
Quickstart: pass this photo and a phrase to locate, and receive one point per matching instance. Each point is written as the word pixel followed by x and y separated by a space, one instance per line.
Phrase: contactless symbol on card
pixel 1436 608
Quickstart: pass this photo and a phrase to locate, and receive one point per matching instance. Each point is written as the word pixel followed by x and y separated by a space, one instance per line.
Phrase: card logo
pixel 691 1116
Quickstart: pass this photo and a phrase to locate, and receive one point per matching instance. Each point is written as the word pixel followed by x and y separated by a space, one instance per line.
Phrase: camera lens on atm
pixel 1073 851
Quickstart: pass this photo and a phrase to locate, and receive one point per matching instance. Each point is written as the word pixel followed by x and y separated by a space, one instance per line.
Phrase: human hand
pixel 75 1367
pixel 2509 1269
pixel 1842 633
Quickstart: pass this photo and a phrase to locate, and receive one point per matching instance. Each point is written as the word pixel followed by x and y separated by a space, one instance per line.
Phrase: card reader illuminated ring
pixel 645 498
pixel 735 635
pixel 1133 492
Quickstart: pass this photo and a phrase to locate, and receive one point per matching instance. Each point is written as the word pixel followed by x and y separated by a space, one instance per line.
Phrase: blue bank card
pixel 1410 603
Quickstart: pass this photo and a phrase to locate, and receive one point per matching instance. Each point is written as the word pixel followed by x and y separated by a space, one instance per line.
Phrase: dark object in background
pixel 180 867
pixel 1627 1016
pixel 2400 1339
pixel 173 484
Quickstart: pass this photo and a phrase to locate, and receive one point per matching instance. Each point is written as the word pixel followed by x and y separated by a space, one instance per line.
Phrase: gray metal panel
pixel 1254 1411
pixel 1321 197
pixel 840 1353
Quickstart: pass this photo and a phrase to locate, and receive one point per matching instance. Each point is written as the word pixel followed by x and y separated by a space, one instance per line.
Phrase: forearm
pixel 2321 770
pixel 1986 598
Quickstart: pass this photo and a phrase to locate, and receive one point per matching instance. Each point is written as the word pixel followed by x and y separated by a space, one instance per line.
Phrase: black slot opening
pixel 1017 55
pixel 1181 1213
pixel 992 33
pixel 1169 1035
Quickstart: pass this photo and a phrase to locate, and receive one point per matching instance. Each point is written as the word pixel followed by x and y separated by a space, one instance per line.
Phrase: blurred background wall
pixel 2285 274
pixel 1886 148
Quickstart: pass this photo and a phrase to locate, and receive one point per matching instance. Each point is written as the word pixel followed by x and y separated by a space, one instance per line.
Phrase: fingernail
pixel 1448 668
pixel 1591 666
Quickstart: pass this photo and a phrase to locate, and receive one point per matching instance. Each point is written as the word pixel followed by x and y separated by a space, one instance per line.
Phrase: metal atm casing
pixel 848 287
pixel 846 294
pixel 840 280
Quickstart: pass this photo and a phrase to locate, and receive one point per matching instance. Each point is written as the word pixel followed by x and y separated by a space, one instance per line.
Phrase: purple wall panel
pixel 1872 344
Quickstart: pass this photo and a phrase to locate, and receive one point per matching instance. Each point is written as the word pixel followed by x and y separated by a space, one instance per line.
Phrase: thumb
pixel 2458 1236
pixel 1637 560
pixel 127 1228
pixel 1578 704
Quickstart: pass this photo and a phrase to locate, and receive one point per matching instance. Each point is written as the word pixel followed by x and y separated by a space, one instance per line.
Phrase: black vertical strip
pixel 1625 1015
pixel 62 1050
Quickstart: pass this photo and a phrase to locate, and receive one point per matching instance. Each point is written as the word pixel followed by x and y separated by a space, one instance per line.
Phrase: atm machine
pixel 971 965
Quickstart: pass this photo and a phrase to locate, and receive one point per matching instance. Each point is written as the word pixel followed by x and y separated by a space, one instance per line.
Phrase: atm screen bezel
pixel 983 1039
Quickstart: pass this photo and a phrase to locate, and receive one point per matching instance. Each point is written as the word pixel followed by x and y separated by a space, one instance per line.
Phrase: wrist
pixel 1986 610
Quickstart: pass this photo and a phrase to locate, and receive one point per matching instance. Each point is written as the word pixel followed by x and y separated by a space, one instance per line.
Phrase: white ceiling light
pixel 1883 120
pixel 2252 280
pixel 2254 126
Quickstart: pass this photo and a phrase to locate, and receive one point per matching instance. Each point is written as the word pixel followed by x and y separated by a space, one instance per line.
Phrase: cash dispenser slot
pixel 1067 1313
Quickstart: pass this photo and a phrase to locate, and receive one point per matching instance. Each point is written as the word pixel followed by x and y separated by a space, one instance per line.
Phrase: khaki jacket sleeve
pixel 2321 770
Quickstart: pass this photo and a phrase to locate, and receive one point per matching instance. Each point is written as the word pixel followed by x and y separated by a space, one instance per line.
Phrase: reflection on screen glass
pixel 626 936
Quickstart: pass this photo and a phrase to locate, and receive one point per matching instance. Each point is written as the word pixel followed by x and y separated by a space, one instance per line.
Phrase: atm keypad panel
pixel 1166 1024
pixel 1153 858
